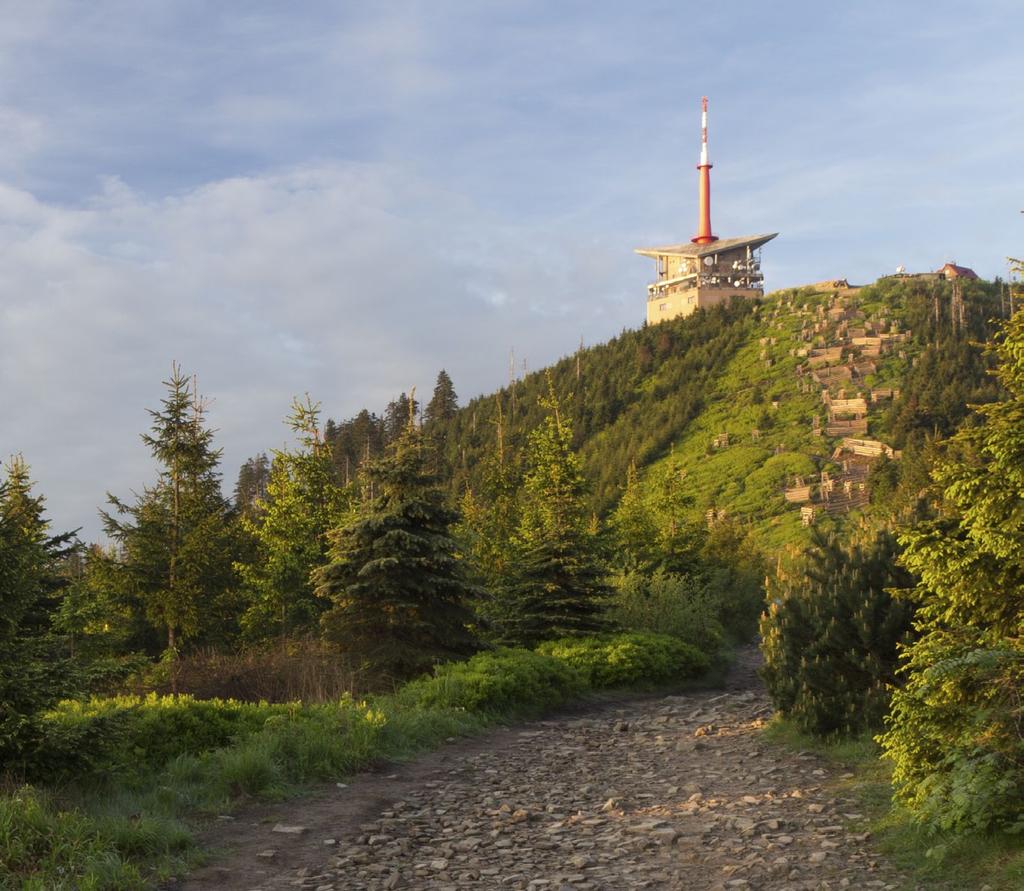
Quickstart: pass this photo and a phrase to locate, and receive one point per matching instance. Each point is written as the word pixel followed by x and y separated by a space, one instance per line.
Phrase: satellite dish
pixel 709 261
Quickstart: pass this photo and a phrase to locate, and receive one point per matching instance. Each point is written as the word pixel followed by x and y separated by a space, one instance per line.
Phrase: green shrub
pixel 954 736
pixel 315 743
pixel 124 733
pixel 631 658
pixel 499 681
pixel 830 637
pixel 682 606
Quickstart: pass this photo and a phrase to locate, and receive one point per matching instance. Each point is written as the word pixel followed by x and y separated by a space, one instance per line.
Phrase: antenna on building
pixel 704 235
pixel 692 276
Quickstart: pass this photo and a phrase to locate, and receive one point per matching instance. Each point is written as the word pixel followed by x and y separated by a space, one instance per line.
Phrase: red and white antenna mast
pixel 704 235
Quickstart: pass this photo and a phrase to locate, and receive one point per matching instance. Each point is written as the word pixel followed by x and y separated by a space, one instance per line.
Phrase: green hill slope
pixel 766 399
pixel 661 396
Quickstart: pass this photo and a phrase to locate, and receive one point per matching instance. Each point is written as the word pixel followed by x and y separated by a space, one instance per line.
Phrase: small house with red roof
pixel 951 271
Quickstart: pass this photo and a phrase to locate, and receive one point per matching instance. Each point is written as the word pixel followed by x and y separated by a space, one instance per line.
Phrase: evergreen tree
pixel 31 676
pixel 303 501
pixel 831 634
pixel 650 527
pixel 397 591
pixel 98 616
pixel 634 529
pixel 397 415
pixel 487 531
pixel 251 488
pixel 175 542
pixel 558 586
pixel 954 733
pixel 353 442
pixel 444 403
pixel 948 379
pixel 735 566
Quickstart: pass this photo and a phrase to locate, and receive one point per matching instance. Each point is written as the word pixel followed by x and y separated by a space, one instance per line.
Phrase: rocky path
pixel 677 792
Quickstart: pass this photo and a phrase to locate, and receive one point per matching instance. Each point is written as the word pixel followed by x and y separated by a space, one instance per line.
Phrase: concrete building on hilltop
pixel 707 270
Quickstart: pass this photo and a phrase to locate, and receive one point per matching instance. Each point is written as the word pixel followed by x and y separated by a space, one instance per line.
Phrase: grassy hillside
pixel 661 395
pixel 746 478
pixel 627 399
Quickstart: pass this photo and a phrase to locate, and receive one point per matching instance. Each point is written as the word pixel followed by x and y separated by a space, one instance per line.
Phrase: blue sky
pixel 343 198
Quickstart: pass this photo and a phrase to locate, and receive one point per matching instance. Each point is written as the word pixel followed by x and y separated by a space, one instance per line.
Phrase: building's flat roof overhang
pixel 689 249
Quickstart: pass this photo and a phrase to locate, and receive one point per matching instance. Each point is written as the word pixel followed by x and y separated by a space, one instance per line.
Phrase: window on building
pixel 662 306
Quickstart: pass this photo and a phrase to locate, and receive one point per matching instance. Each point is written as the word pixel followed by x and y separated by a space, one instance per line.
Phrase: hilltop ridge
pixel 776 412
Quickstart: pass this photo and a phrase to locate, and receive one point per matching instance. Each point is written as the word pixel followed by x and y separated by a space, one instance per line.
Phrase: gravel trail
pixel 675 792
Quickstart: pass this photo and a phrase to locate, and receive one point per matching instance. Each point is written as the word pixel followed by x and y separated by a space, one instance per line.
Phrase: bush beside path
pixel 674 791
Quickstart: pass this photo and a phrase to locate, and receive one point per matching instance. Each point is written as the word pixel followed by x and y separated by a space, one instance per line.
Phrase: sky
pixel 341 199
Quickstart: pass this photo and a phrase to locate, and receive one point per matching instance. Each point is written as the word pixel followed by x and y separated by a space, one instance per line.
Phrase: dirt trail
pixel 676 792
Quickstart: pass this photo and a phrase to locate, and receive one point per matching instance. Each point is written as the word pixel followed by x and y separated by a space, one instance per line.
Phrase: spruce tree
pixel 650 527
pixel 444 403
pixel 175 543
pixel 97 616
pixel 303 502
pixel 634 529
pixel 558 587
pixel 487 530
pixel 354 441
pixel 31 675
pixel 397 591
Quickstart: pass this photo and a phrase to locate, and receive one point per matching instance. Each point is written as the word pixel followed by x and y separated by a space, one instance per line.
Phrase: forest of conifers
pixel 571 506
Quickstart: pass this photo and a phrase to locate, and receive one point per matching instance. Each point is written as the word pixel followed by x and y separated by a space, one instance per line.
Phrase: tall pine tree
pixel 487 530
pixel 444 403
pixel 559 585
pixel 634 529
pixel 175 542
pixel 399 597
pixel 397 415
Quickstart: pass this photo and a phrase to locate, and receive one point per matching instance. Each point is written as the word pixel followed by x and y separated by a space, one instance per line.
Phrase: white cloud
pixel 350 281
pixel 343 198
